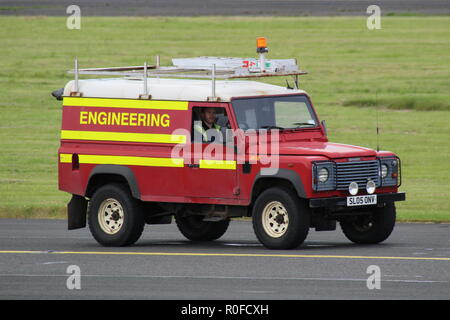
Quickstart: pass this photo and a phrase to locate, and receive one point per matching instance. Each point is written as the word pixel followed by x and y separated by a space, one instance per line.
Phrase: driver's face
pixel 209 116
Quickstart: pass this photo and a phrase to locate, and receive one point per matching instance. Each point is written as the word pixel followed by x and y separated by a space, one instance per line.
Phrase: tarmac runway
pixel 38 257
pixel 223 7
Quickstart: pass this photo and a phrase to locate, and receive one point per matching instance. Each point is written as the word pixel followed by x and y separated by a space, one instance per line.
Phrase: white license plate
pixel 362 200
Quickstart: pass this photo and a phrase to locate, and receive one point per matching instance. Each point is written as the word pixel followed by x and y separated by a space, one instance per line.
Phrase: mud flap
pixel 76 212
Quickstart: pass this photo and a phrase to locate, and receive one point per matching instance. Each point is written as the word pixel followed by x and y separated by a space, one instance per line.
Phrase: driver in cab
pixel 209 130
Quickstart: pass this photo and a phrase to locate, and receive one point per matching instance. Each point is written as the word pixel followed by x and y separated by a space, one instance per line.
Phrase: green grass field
pixel 399 74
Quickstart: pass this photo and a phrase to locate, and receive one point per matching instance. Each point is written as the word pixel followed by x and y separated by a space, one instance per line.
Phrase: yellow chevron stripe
pixel 122 136
pixel 125 103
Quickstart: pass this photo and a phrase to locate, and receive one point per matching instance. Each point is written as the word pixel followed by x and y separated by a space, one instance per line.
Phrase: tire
pixel 281 220
pixel 373 228
pixel 193 228
pixel 115 217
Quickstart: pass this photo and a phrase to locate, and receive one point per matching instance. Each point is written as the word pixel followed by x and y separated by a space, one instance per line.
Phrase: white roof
pixel 174 89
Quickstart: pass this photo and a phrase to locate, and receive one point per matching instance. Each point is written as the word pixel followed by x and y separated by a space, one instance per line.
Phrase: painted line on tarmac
pixel 193 254
pixel 213 277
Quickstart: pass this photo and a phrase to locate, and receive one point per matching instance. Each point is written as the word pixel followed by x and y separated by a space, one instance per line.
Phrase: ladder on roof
pixel 202 67
pixel 199 68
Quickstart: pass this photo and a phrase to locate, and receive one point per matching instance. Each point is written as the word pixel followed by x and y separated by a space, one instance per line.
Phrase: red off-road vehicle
pixel 131 154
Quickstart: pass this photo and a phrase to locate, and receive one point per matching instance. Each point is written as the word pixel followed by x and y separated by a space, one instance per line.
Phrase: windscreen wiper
pixel 302 125
pixel 271 127
pixel 299 124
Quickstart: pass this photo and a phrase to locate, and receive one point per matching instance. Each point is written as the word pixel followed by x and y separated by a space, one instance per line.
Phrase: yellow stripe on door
pixel 217 164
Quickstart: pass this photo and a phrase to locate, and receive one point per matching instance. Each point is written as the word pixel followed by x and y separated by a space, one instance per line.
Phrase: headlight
pixel 323 175
pixel 384 170
pixel 390 171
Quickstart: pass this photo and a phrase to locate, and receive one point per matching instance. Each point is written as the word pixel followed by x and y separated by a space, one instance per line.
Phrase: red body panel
pixel 184 182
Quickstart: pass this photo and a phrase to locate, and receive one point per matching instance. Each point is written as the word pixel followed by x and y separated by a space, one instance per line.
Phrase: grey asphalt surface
pixel 34 256
pixel 222 7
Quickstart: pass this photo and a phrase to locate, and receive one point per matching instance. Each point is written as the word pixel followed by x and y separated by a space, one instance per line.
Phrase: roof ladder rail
pixel 213 85
pixel 145 76
pixel 200 68
pixel 76 92
pixel 296 81
pixel 158 65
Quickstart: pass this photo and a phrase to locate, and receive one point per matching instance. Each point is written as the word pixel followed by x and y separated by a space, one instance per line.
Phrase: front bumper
pixel 342 201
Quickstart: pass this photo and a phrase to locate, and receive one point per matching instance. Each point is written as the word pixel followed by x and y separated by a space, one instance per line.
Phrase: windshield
pixel 284 112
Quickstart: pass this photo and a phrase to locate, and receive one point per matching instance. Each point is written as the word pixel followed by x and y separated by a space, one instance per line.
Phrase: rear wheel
pixel 281 219
pixel 370 229
pixel 115 217
pixel 194 228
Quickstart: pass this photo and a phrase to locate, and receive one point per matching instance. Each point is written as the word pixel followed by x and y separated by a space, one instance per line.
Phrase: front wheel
pixel 115 217
pixel 281 219
pixel 370 229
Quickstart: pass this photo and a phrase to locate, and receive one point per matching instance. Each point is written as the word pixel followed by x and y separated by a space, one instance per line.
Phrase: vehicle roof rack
pixel 203 68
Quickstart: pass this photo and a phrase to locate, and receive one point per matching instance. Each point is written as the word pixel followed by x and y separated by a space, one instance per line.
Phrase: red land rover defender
pixel 138 150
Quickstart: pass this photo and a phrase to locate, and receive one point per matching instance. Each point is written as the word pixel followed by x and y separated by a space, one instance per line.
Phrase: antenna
pixel 378 127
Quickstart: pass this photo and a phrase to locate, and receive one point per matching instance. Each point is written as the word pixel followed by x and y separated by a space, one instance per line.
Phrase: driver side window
pixel 209 124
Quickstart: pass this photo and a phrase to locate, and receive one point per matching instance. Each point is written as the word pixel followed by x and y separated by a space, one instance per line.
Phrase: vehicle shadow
pixel 248 247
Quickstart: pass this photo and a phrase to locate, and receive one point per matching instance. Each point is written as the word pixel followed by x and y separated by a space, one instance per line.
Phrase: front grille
pixel 358 171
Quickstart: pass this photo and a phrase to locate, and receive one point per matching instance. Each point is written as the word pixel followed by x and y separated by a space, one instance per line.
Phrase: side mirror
pixel 58 94
pixel 324 127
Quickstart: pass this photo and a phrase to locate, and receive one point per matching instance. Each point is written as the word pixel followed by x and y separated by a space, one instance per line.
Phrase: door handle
pixel 193 165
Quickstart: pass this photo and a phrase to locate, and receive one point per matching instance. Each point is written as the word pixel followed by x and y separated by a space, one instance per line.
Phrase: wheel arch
pixel 107 173
pixel 283 178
